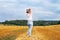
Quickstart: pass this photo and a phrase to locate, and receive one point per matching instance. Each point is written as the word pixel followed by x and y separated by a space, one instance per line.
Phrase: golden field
pixel 12 32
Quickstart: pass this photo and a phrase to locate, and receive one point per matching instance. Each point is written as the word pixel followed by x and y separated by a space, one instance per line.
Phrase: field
pixel 12 32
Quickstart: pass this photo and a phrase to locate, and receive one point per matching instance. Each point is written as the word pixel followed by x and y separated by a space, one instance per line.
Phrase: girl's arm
pixel 27 14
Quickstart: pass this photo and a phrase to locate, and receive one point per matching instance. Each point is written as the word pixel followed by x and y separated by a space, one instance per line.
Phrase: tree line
pixel 35 23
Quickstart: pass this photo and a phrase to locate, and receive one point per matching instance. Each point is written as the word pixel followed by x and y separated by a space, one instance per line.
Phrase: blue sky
pixel 41 9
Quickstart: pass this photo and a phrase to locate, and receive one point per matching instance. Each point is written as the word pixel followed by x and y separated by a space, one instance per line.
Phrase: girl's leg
pixel 29 29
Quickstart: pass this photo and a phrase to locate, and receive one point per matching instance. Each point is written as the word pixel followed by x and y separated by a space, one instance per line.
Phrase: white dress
pixel 30 20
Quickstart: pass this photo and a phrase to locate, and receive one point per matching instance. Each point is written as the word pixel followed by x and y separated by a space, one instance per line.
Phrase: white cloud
pixel 17 9
pixel 8 0
pixel 34 1
pixel 41 11
pixel 8 7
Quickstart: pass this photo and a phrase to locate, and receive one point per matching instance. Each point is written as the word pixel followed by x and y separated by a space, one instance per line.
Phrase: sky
pixel 41 9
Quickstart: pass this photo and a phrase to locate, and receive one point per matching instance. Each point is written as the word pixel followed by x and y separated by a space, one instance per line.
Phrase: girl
pixel 30 21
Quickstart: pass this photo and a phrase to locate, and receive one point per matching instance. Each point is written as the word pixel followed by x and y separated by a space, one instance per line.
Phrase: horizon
pixel 33 20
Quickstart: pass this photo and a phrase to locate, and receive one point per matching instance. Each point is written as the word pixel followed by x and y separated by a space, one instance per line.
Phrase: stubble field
pixel 12 32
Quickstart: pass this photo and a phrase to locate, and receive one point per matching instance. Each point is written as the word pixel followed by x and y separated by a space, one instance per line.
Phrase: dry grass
pixel 38 32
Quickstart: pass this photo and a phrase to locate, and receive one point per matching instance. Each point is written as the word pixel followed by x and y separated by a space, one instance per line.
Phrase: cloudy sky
pixel 41 9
